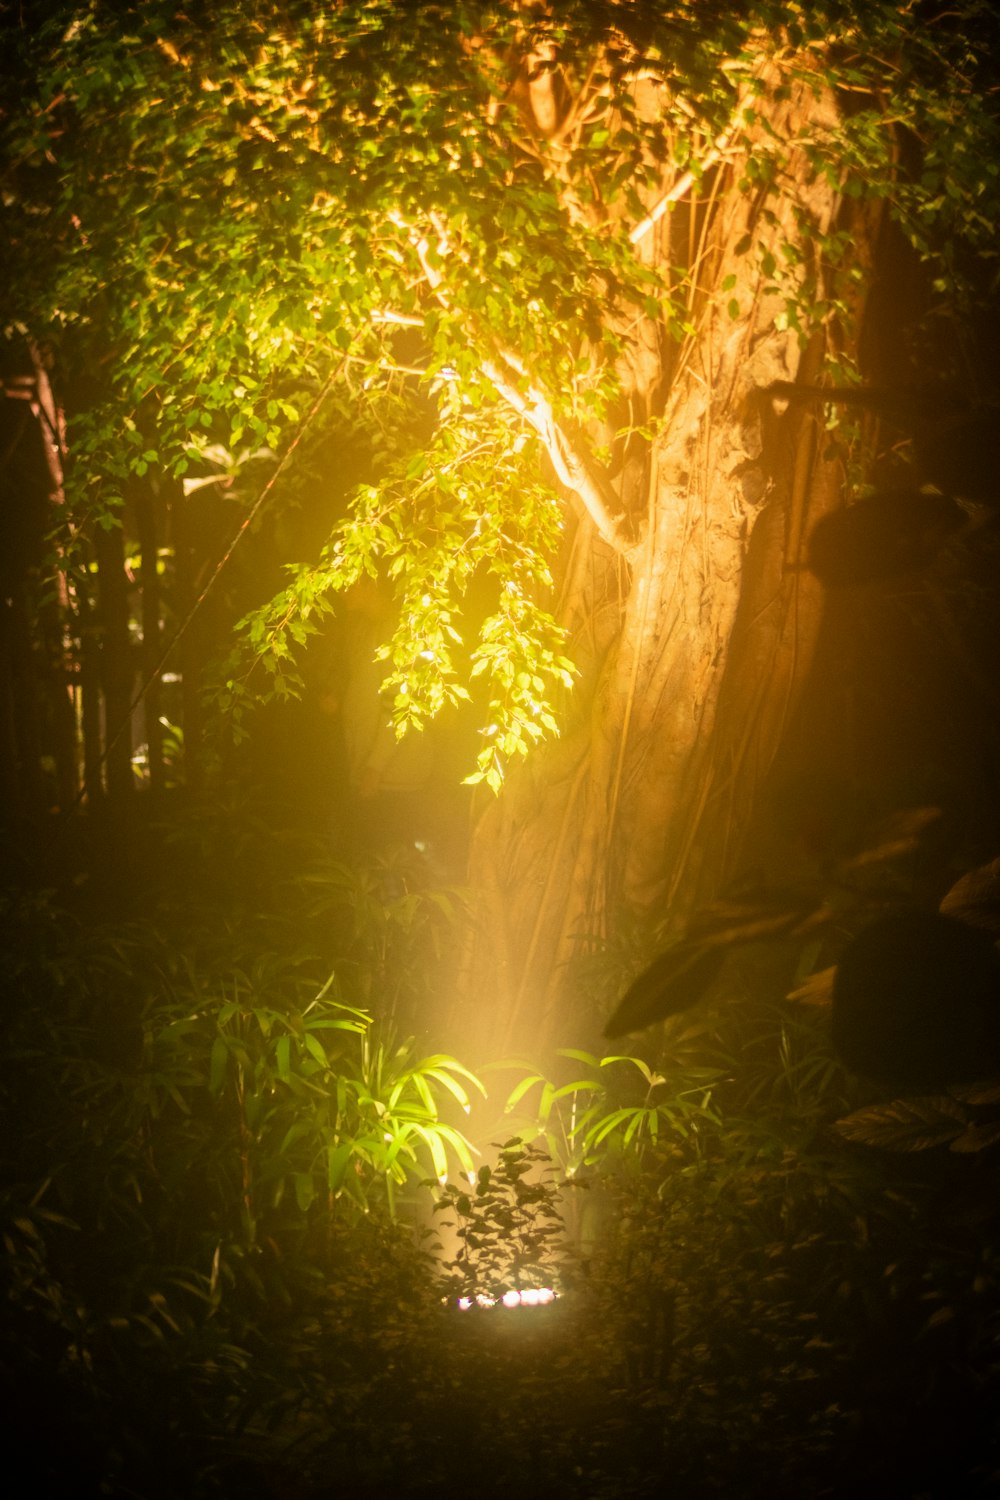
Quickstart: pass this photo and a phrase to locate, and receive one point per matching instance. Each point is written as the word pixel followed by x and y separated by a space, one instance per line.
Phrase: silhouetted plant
pixel 508 1224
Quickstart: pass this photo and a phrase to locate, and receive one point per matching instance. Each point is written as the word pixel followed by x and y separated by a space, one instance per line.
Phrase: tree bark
pixel 703 642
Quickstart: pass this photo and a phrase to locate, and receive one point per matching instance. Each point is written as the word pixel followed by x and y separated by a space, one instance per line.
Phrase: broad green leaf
pixel 905 1124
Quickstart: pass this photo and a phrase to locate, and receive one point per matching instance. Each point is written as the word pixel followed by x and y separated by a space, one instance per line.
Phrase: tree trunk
pixel 643 807
pixel 90 701
pixel 190 653
pixel 56 612
pixel 146 530
pixel 116 662
pixel 28 793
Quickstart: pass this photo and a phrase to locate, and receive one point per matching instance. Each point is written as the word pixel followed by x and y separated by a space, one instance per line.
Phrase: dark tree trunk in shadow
pixel 116 662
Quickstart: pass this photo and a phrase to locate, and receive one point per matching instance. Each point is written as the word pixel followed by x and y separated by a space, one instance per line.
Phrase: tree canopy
pixel 439 217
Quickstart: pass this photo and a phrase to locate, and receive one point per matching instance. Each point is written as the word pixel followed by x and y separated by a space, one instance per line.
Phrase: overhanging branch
pixel 576 472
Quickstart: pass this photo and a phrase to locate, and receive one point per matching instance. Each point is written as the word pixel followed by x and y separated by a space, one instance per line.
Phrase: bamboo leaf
pixel 579 1086
pixel 218 1065
pixel 338 1160
pixel 305 1190
pixel 519 1090
pixel 295 1132
pixel 452 1085
pixel 315 1047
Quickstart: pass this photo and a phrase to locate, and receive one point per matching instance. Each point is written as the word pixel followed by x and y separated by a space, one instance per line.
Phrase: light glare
pixel 531 1296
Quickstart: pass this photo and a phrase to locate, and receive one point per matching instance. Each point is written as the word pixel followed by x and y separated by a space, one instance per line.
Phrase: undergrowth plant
pixel 207 1253
pixel 330 1103
pixel 508 1224
pixel 193 1084
pixel 616 1107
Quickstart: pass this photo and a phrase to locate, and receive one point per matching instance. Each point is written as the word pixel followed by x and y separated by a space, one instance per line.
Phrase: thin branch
pixel 389 315
pixel 681 187
pixel 687 180
pixel 581 109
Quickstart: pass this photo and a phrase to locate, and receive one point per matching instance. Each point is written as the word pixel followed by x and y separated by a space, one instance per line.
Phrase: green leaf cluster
pixel 615 1111
pixel 208 220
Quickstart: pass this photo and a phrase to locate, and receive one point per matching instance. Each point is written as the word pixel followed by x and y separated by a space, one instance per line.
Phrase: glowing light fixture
pixel 529 1296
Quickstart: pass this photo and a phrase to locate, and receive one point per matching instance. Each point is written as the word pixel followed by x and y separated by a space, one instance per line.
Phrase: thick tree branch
pixel 578 473
pixel 572 467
